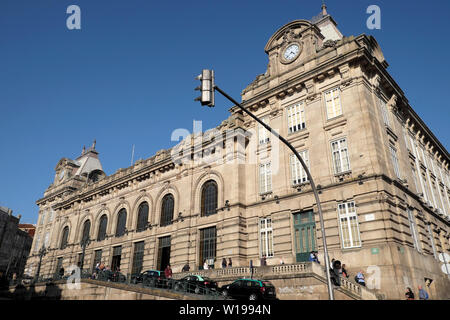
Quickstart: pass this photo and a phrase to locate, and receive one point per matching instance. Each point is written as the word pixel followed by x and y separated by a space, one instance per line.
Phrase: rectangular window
pixel 333 103
pixel 42 218
pixel 413 227
pixel 138 257
pixel 296 117
pixel 341 159
pixel 266 237
pixel 263 133
pixel 46 238
pixel 37 243
pixel 433 246
pixel 208 240
pixel 80 259
pixel 384 111
pixel 395 161
pixel 265 178
pixel 348 221
pixel 298 174
pixel 414 175
pixel 59 265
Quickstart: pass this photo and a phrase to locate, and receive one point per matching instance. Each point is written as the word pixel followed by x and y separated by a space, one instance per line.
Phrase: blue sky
pixel 127 77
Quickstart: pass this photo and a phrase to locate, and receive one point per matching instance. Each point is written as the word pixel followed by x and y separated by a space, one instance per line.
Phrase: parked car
pixel 152 278
pixel 249 289
pixel 196 284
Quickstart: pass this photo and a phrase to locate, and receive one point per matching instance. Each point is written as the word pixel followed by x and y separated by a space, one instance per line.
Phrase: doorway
pixel 117 255
pixel 304 235
pixel 163 253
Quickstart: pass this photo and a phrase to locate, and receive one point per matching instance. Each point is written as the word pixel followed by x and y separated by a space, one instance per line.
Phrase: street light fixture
pixel 207 98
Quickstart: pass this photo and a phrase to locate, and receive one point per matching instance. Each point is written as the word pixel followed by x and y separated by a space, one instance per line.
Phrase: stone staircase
pixel 292 281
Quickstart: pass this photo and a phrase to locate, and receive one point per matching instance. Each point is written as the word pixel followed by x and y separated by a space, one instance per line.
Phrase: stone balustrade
pixel 298 270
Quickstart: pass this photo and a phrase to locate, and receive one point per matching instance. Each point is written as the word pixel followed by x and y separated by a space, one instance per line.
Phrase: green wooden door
pixel 304 235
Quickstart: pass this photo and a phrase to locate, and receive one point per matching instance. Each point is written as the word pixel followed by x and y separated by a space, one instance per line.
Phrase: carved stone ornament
pixel 392 103
pixel 290 36
pixel 330 44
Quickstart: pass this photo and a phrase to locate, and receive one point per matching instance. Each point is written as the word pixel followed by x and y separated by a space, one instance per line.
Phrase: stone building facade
pixel 15 244
pixel 236 192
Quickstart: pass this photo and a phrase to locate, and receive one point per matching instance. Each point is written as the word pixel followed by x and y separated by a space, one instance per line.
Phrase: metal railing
pixel 172 285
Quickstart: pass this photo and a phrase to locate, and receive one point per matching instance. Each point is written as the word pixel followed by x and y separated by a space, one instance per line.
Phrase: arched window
pixel 121 222
pixel 209 198
pixel 65 237
pixel 86 230
pixel 167 210
pixel 102 228
pixel 142 217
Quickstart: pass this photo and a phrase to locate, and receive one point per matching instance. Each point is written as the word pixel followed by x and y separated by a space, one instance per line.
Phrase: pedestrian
pixel 185 268
pixel 263 262
pixel 230 263
pixel 224 263
pixel 423 295
pixel 409 294
pixel 205 265
pixel 168 272
pixel 359 278
pixel 344 271
pixel 316 257
pixel 335 272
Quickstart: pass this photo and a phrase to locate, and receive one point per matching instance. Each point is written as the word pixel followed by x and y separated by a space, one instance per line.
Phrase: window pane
pixel 142 216
pixel 167 210
pixel 102 228
pixel 209 198
pixel 121 222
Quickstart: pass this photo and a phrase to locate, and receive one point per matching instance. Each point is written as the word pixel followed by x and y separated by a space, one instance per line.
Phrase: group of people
pixel 423 295
pixel 225 264
pixel 338 270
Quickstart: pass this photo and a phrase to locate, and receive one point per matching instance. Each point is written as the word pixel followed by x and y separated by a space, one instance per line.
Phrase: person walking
pixel 423 295
pixel 224 263
pixel 409 294
pixel 168 272
pixel 344 271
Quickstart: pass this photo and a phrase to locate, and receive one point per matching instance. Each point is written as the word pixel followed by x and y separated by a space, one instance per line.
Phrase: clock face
pixel 291 52
pixel 61 175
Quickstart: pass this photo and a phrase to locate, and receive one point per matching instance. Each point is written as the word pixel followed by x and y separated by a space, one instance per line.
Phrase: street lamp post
pixel 207 78
pixel 42 252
